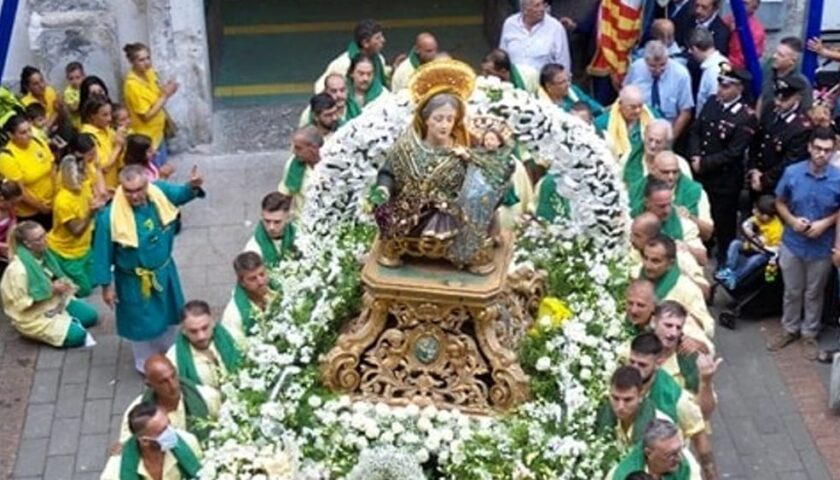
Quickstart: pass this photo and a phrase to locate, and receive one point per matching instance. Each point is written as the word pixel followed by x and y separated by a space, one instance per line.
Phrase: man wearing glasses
pixel 661 453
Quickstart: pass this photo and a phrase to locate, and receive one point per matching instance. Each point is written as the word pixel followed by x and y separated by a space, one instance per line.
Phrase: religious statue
pixel 436 195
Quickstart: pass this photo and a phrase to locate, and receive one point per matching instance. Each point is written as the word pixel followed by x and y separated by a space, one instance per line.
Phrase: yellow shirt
pixel 178 417
pixel 32 168
pixel 70 206
pixel 104 139
pixel 208 364
pixel 770 232
pixel 50 97
pixel 48 322
pixel 140 94
pixel 170 463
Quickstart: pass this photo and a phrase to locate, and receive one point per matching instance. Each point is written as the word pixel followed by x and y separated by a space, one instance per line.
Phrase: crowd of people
pixel 84 204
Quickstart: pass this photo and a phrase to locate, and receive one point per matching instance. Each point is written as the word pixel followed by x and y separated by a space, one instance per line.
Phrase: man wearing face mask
pixel 274 235
pixel 204 350
pixel 133 241
pixel 250 298
pixel 663 454
pixel 306 153
pixel 154 449
pixel 186 405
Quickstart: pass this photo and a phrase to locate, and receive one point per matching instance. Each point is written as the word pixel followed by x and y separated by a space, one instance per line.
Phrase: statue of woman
pixel 423 208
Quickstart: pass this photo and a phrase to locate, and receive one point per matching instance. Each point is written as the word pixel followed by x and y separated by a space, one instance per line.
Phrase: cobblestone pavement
pixel 61 409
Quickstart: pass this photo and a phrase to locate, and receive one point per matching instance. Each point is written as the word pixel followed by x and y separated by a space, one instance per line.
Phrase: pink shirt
pixel 736 53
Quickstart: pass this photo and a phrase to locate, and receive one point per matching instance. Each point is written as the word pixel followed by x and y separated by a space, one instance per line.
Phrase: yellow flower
pixel 552 313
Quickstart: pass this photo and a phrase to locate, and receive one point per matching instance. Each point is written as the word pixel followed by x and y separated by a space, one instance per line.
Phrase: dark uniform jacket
pixel 720 137
pixel 781 141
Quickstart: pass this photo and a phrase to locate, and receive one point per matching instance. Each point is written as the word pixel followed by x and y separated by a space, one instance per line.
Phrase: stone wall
pixel 94 31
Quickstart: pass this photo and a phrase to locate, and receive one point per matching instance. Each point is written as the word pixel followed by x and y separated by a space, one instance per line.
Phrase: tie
pixel 654 94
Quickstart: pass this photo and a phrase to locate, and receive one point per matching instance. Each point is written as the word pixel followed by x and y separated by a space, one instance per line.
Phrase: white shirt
pixel 546 42
pixel 708 81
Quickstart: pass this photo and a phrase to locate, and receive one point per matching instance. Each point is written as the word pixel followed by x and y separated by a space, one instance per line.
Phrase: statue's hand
pixel 461 152
pixel 379 195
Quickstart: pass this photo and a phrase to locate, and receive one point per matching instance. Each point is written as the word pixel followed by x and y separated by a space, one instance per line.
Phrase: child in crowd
pixel 759 248
pixel 37 116
pixel 74 73
pixel 139 151
pixel 122 121
pixel 583 111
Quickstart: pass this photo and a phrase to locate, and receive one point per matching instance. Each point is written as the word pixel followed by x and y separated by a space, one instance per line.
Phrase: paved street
pixel 62 409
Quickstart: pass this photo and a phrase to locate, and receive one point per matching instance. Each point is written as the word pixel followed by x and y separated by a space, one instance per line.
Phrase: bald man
pixel 639 303
pixel 690 199
pixel 624 121
pixel 185 403
pixel 658 136
pixel 646 226
pixel 297 173
pixel 424 51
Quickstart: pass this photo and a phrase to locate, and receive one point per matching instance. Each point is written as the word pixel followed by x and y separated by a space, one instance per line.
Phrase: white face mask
pixel 167 439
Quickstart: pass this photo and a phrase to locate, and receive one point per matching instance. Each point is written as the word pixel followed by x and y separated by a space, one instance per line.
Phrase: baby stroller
pixel 758 295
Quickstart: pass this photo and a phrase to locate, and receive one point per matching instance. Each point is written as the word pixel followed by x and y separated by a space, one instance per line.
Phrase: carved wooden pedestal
pixel 431 334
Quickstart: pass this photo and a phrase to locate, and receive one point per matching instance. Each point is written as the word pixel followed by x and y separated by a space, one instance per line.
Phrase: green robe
pixel 576 94
pixel 137 318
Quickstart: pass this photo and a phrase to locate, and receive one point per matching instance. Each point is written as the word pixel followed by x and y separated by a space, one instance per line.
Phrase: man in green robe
pixel 497 64
pixel 661 453
pixel 368 39
pixel 297 173
pixel 363 86
pixel 274 235
pixel 557 88
pixel 424 51
pixel 666 395
pixel 134 237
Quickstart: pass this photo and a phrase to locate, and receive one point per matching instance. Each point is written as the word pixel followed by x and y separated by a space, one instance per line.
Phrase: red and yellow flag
pixel 619 27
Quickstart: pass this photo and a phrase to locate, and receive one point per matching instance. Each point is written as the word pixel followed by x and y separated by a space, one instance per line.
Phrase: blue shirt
pixel 674 87
pixel 813 197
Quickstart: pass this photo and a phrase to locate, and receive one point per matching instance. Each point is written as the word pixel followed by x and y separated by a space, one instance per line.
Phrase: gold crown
pixel 439 76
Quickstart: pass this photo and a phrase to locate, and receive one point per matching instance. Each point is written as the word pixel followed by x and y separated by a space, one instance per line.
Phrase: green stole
pixel 606 421
pixel 634 170
pixel 270 255
pixel 194 405
pixel 353 107
pixel 516 78
pixel 243 305
pixel 687 194
pixel 38 283
pixel 672 226
pixel 665 393
pixel 550 204
pixel 378 68
pixel 224 344
pixel 188 462
pixel 664 285
pixel 634 461
pixel 414 59
pixel 294 175
pixel 688 368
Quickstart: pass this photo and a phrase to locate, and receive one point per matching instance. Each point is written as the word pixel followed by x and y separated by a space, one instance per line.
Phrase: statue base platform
pixel 431 334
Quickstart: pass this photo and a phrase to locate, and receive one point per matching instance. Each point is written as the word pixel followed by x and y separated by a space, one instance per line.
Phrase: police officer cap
pixel 734 74
pixel 787 86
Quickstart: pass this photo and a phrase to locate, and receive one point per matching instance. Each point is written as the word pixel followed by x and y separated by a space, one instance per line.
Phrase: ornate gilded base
pixel 392 250
pixel 431 334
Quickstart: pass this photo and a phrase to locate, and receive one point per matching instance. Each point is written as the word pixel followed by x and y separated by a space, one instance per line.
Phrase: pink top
pixel 152 172
pixel 736 53
pixel 6 224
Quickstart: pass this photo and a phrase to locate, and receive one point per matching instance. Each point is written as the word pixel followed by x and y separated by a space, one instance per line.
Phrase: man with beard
pixel 250 298
pixel 693 370
pixel 335 85
pixel 363 86
pixel 306 153
pixel 666 395
pixel 323 114
pixel 660 267
pixel 645 227
pixel 274 235
pixel 424 51
pixel 204 350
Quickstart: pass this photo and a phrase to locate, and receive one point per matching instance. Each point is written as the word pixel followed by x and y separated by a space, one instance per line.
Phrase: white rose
pixel 432 442
pixel 371 431
pixel 543 364
pixel 424 424
pixel 422 455
pixel 429 411
pixel 388 437
pixel 397 428
pixel 382 409
pixel 412 410
pixel 315 401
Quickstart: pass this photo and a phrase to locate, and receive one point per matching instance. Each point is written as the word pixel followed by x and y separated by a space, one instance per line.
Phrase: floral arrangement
pixel 276 412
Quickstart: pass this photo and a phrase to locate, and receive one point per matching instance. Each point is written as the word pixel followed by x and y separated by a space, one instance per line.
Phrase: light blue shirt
pixel 674 87
pixel 708 81
pixel 813 197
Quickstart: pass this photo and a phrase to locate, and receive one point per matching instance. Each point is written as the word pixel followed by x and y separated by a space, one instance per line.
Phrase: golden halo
pixel 439 76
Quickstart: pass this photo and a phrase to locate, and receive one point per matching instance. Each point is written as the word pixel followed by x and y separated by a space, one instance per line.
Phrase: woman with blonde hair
pixel 74 209
pixel 145 98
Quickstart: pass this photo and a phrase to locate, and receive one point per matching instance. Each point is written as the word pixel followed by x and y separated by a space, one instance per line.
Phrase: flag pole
pixel 813 29
pixel 751 60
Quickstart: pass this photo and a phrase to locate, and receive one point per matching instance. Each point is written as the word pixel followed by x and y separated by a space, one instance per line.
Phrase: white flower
pixel 543 364
pixel 424 424
pixel 314 401
pixel 422 455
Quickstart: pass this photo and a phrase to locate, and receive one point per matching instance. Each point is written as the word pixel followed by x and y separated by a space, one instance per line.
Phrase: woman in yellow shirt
pixel 29 162
pixel 145 98
pixel 83 147
pixel 35 89
pixel 96 120
pixel 73 213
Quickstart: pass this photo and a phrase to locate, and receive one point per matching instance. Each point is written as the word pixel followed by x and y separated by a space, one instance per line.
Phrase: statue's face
pixel 440 123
